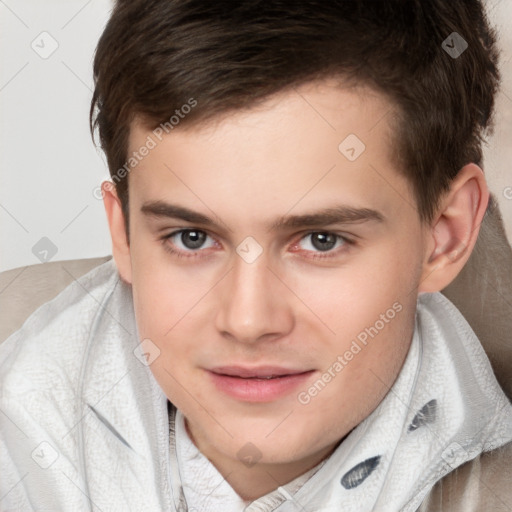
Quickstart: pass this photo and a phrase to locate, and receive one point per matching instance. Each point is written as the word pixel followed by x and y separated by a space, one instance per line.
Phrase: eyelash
pixel 347 243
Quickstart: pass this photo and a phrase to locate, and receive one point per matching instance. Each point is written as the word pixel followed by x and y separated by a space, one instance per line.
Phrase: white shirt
pixel 206 489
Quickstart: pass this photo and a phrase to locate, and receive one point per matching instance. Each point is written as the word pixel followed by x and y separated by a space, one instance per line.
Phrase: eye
pixel 187 241
pixel 324 242
pixel 190 243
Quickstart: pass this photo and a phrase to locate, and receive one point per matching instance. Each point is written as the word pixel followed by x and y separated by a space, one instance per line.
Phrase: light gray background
pixel 49 167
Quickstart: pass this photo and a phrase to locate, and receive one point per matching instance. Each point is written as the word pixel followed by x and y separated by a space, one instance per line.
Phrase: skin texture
pixel 287 308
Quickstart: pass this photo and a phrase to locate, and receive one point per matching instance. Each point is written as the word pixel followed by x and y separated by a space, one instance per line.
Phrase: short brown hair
pixel 155 55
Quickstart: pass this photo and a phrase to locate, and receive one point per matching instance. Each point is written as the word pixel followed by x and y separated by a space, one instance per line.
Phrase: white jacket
pixel 84 426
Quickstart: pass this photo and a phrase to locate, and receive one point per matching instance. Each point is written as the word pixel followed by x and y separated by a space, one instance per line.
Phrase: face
pixel 275 263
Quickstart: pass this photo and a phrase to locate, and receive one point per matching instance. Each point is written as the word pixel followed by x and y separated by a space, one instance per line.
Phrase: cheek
pixel 363 362
pixel 348 298
pixel 165 317
pixel 169 303
pixel 164 290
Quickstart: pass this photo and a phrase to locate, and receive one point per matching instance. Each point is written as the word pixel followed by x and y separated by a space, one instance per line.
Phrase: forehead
pixel 319 142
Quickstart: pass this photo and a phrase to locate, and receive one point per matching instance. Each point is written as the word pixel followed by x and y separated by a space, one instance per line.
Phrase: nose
pixel 254 303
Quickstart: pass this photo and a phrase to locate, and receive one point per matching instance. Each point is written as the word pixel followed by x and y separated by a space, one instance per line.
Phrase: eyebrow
pixel 340 214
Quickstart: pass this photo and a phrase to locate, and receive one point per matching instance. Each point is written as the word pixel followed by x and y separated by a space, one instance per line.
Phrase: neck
pixel 251 482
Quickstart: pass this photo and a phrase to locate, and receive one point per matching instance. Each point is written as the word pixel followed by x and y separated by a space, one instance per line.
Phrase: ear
pixel 120 245
pixel 453 233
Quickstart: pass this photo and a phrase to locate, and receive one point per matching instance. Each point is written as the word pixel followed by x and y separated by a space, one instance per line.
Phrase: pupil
pixel 192 239
pixel 323 241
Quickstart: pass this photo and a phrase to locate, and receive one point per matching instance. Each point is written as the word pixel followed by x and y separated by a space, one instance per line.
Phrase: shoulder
pixel 47 350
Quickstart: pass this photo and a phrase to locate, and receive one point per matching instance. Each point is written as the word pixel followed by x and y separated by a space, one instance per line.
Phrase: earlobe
pixel 115 217
pixel 454 231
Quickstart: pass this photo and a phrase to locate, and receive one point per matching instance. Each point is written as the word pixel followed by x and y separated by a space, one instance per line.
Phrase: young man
pixel 293 186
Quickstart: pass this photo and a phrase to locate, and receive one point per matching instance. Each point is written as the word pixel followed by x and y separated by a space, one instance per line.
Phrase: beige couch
pixel 482 292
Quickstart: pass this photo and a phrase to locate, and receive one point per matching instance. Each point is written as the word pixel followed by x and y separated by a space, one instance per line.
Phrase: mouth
pixel 260 384
pixel 260 372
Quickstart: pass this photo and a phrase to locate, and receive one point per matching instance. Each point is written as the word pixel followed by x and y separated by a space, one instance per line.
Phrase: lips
pixel 260 372
pixel 258 384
